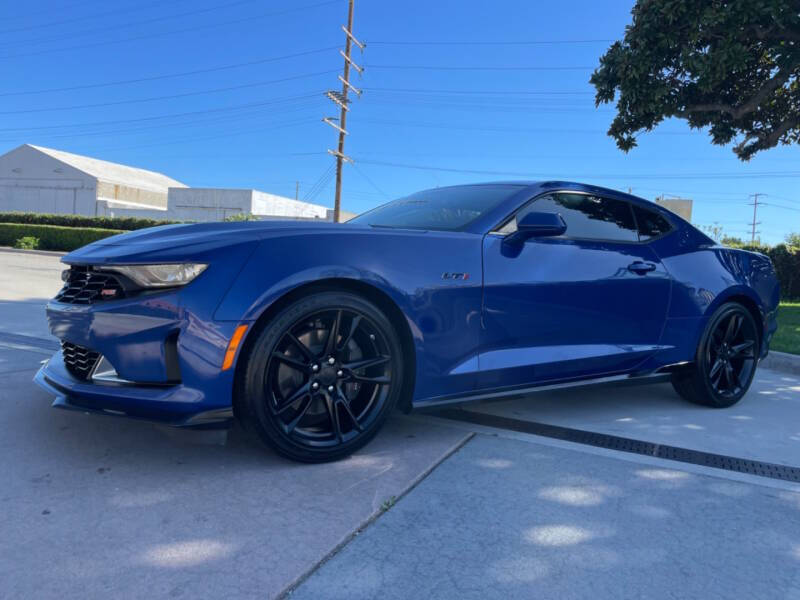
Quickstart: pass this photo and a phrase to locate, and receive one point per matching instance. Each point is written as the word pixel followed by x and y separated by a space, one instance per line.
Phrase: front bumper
pixel 166 347
pixel 175 405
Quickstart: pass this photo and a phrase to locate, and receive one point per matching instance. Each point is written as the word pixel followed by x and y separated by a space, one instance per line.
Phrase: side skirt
pixel 505 393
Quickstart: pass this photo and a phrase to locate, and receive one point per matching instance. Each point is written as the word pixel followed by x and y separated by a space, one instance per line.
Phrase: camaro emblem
pixel 461 276
pixel 108 292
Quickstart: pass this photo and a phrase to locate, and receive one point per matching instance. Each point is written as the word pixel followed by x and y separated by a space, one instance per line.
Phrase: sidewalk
pixel 509 519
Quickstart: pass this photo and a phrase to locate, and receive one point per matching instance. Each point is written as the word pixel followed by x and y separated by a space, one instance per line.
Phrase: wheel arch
pixel 748 303
pixel 366 290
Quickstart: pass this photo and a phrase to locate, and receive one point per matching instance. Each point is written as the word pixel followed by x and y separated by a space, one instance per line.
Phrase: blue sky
pixel 454 92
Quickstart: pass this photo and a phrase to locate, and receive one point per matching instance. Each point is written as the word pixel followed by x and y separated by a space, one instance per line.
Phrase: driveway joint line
pixel 287 591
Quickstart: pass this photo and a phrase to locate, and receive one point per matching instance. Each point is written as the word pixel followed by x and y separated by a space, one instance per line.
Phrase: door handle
pixel 640 268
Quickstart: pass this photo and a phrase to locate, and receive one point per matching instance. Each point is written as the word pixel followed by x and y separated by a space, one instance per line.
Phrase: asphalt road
pixel 96 507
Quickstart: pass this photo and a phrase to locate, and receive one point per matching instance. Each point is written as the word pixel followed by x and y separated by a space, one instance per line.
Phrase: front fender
pixel 443 313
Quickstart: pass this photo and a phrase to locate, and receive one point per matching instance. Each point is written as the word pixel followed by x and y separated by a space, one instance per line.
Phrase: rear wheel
pixel 322 377
pixel 726 359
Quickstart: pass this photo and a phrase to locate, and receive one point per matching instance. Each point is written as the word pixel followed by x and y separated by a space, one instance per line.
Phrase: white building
pixel 42 180
pixel 36 179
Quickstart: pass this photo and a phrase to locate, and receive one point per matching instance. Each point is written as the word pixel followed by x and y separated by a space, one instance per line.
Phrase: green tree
pixel 714 231
pixel 730 65
pixel 793 240
pixel 732 242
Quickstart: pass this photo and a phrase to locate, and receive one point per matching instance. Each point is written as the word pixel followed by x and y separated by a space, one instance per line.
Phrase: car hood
pixel 173 243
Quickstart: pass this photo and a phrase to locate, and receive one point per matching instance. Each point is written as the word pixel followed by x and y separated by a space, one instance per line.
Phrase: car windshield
pixel 447 209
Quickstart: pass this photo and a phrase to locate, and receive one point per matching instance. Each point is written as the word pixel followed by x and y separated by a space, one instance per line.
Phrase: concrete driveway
pixel 95 507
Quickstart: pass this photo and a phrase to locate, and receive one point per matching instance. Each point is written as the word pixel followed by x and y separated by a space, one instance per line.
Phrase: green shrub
pixel 53 237
pixel 119 223
pixel 27 242
pixel 241 217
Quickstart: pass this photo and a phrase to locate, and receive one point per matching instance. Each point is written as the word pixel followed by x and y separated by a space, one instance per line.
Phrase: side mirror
pixel 537 224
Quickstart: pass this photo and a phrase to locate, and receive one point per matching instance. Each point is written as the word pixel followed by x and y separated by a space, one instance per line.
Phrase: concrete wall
pixel 680 206
pixel 106 208
pixel 108 190
pixel 270 205
pixel 208 204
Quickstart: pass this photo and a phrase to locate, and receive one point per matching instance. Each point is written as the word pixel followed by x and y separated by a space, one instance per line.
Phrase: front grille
pixel 79 361
pixel 83 285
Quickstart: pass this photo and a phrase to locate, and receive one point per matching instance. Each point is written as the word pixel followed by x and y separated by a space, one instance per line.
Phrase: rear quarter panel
pixel 706 276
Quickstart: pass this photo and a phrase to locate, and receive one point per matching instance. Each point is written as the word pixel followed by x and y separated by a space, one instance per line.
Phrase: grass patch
pixel 787 338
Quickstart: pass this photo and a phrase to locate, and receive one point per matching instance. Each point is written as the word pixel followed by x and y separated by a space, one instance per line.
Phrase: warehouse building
pixel 43 180
pixel 36 179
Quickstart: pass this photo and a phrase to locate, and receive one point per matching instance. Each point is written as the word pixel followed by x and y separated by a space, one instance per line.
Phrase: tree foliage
pixel 730 65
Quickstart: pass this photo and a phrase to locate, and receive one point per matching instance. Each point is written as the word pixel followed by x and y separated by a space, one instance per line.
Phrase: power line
pixel 482 92
pixel 215 26
pixel 162 126
pixel 83 17
pixel 320 184
pixel 476 68
pixel 167 116
pixel 227 134
pixel 169 97
pixel 486 42
pixel 588 176
pixel 129 24
pixel 772 204
pixel 170 75
pixel 436 125
pixel 369 180
pixel 72 6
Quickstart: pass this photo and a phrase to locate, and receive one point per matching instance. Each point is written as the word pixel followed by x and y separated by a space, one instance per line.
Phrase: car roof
pixel 529 189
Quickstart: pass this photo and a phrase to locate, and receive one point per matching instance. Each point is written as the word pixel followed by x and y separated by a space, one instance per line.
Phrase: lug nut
pixel 340 373
pixel 315 386
pixel 330 389
pixel 331 361
pixel 315 368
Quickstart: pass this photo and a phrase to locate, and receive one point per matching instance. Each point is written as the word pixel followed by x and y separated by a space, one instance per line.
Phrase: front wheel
pixel 726 359
pixel 322 377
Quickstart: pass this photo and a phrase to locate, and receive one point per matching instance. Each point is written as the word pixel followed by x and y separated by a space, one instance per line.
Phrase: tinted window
pixel 587 217
pixel 650 224
pixel 450 208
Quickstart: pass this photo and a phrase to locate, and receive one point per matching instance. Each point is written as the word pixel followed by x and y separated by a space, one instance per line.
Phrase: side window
pixel 650 224
pixel 586 216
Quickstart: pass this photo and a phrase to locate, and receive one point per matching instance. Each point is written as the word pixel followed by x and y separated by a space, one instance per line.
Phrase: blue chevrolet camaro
pixel 311 333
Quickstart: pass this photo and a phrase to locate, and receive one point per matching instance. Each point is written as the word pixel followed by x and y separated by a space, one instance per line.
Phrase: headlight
pixel 160 275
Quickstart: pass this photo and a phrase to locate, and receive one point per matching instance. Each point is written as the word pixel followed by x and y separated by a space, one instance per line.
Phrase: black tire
pixel 316 399
pixel 726 359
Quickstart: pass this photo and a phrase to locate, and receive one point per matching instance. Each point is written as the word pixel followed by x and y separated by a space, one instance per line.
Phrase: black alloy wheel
pixel 323 376
pixel 726 360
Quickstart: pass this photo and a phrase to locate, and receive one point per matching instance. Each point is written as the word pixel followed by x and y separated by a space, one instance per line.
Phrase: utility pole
pixel 340 98
pixel 755 216
pixel 296 190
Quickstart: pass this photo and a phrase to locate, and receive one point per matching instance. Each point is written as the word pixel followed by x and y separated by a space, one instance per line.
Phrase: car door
pixel 590 302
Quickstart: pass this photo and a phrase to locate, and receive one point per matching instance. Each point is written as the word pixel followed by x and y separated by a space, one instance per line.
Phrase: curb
pixel 10 250
pixel 782 361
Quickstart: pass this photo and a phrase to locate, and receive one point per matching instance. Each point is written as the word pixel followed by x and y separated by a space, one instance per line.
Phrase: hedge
pixel 53 237
pixel 119 223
